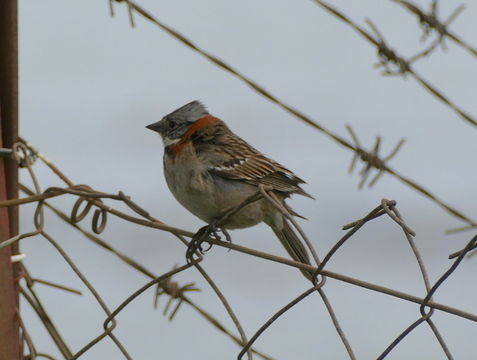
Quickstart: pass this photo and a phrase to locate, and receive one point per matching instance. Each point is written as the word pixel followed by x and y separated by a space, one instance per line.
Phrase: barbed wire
pixel 389 57
pixel 89 199
pixel 370 159
pixel 430 22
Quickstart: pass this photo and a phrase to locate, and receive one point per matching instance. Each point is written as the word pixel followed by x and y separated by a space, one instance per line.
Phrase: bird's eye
pixel 172 125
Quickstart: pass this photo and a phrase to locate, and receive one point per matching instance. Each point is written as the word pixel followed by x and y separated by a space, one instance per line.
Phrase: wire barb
pixel 175 292
pixel 430 23
pixel 387 56
pixel 370 158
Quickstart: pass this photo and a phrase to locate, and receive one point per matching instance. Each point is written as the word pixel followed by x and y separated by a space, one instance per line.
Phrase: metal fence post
pixel 9 324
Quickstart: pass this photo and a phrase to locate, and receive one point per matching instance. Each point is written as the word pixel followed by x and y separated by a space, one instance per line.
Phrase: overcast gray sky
pixel 90 83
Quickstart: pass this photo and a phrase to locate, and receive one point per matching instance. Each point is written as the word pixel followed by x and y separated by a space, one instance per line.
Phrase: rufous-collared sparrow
pixel 210 170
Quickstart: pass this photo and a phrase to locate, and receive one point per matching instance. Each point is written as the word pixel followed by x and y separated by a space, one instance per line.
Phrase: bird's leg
pixel 196 242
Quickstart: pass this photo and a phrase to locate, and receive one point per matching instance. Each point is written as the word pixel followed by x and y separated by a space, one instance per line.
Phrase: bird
pixel 211 170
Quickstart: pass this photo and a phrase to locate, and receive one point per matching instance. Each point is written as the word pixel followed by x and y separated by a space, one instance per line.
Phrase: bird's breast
pixel 187 179
pixel 206 195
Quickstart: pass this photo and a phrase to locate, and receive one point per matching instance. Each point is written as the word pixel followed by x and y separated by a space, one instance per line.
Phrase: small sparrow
pixel 210 170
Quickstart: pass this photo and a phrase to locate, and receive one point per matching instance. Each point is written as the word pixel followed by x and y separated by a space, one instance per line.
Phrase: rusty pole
pixel 9 324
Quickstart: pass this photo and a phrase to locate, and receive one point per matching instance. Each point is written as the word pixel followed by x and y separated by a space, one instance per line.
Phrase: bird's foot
pixel 204 232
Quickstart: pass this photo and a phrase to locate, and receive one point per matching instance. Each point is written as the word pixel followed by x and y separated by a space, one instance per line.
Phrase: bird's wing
pixel 239 161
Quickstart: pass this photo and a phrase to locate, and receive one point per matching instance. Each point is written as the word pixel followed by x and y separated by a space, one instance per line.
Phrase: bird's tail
pixel 292 245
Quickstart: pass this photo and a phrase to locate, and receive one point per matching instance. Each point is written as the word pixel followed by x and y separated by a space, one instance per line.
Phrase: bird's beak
pixel 157 127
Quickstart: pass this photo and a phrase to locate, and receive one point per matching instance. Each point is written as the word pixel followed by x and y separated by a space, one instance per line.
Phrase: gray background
pixel 89 85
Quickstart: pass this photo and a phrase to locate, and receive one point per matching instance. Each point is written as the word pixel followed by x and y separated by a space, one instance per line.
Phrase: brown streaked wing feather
pixel 243 162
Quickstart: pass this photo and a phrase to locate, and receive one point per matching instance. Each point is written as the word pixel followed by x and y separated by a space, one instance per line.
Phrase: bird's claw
pixel 200 236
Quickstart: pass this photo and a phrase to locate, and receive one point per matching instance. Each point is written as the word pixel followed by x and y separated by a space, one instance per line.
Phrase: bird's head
pixel 174 125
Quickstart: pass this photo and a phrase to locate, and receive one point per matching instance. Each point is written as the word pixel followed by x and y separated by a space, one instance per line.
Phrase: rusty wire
pixel 95 199
pixel 318 280
pixel 386 54
pixel 92 198
pixel 386 207
pixel 165 287
pixel 266 193
pixel 33 354
pixel 394 214
pixel 426 315
pixel 458 253
pixel 344 278
pixel 20 148
pixel 83 191
pixel 35 303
